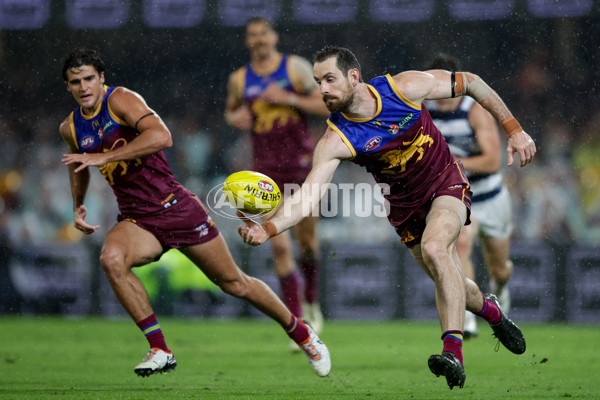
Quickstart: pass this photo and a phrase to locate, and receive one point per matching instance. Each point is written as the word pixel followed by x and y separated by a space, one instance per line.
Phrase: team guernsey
pixel 146 190
pixel 281 141
pixel 401 147
pixel 144 186
pixel 462 142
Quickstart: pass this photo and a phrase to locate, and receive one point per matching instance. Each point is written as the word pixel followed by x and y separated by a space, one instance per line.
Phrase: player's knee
pixel 503 273
pixel 112 261
pixel 436 255
pixel 237 288
pixel 432 251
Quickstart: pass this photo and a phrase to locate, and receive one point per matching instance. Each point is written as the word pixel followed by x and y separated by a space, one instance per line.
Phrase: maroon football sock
pixel 490 312
pixel 154 335
pixel 296 330
pixel 290 293
pixel 310 270
pixel 453 341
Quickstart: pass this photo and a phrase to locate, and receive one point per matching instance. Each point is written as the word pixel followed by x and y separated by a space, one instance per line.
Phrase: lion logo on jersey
pixel 108 169
pixel 397 159
pixel 269 116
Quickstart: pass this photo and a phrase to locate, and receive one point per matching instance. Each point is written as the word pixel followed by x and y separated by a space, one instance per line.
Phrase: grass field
pixel 55 358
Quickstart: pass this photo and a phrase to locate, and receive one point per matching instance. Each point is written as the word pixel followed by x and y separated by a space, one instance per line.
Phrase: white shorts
pixel 494 215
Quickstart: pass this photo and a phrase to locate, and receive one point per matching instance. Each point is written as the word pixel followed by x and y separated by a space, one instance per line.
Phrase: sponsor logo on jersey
pixel 253 90
pixel 393 129
pixel 266 186
pixel 105 128
pixel 401 123
pixel 372 144
pixel 87 141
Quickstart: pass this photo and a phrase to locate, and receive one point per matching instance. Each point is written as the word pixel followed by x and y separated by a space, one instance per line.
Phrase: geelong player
pixel 473 138
pixel 271 97
pixel 383 126
pixel 113 128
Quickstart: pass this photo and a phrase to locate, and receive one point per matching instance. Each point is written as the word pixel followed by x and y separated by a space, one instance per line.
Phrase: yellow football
pixel 251 192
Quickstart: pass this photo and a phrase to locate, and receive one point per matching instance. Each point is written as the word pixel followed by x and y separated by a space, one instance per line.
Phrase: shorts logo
pixel 406 237
pixel 372 144
pixel 87 141
pixel 170 203
pixel 266 186
pixel 203 229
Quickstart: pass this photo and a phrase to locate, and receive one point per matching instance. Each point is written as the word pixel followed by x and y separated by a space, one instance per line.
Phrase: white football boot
pixel 156 361
pixel 317 353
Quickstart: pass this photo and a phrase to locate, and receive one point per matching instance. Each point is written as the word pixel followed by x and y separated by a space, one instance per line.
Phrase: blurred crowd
pixel 548 77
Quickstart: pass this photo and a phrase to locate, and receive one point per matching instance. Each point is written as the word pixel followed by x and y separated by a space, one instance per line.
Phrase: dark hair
pixel 83 56
pixel 260 20
pixel 345 59
pixel 445 61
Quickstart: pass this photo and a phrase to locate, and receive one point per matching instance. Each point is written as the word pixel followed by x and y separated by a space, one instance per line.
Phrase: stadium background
pixel 542 56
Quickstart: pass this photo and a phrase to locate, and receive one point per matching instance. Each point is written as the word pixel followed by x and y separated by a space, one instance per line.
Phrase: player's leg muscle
pixel 215 260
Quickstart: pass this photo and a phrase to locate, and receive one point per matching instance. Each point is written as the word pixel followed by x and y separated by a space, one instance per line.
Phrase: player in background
pixel 113 128
pixel 383 126
pixel 472 135
pixel 271 97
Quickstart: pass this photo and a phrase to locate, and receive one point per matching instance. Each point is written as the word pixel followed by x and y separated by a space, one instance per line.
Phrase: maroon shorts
pixel 409 222
pixel 185 223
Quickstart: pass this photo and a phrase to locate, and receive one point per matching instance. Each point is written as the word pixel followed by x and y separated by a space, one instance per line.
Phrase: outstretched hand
pixel 85 159
pixel 252 232
pixel 523 144
pixel 79 215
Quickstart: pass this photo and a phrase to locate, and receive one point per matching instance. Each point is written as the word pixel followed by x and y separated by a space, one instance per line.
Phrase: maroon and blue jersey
pixel 144 186
pixel 401 147
pixel 281 141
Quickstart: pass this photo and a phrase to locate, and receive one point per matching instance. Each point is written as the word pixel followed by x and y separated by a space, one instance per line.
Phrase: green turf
pixel 55 358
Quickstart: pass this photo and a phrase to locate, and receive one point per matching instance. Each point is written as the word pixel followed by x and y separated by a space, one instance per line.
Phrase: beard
pixel 334 104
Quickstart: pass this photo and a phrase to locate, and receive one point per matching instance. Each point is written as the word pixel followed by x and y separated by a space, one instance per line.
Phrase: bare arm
pixel 79 183
pixel 437 84
pixel 237 114
pixel 488 140
pixel 329 152
pixel 154 135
